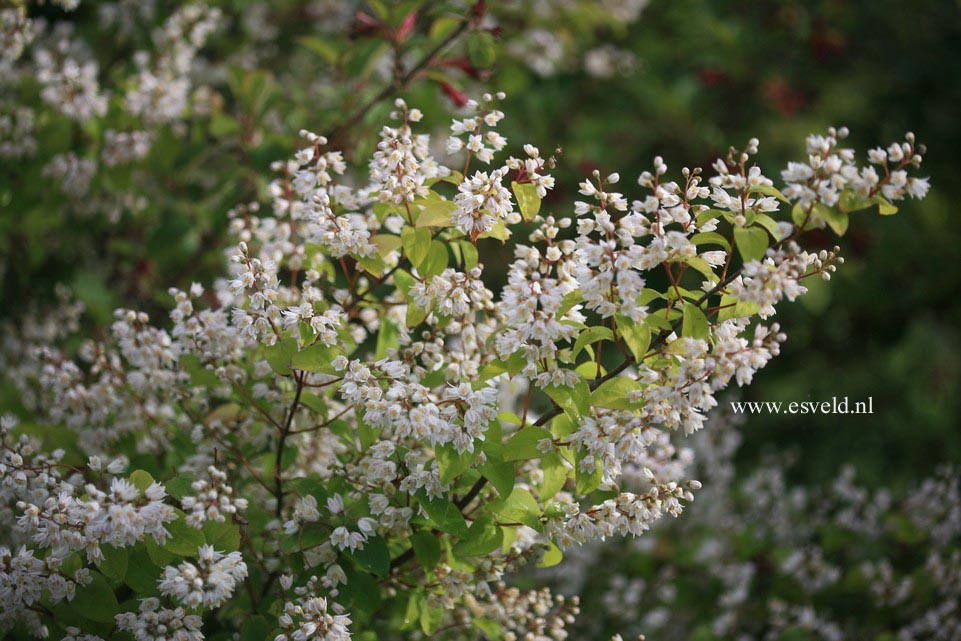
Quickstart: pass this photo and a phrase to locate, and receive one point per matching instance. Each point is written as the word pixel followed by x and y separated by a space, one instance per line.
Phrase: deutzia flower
pixel 153 623
pixel 209 582
pixel 309 619
pixel 481 201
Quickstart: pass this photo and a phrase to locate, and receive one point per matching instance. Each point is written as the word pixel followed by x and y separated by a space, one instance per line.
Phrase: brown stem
pixel 284 433
pixel 399 82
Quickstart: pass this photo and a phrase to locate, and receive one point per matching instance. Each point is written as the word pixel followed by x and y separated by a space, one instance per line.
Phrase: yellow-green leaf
pixel 528 201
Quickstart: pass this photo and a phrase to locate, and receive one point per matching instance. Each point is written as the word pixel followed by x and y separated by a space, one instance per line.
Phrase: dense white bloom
pixel 70 85
pixel 214 500
pixel 154 623
pixel 403 163
pixel 309 619
pixel 357 383
pixel 482 201
pixel 207 583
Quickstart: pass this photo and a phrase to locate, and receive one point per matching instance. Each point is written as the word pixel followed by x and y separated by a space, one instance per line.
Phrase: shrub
pixel 351 434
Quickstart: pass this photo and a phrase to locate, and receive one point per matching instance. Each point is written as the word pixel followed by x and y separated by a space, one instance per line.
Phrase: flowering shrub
pixel 108 111
pixel 351 434
pixel 760 559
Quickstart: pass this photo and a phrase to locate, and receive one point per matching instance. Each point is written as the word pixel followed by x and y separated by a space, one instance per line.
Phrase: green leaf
pixel 96 601
pixel 374 556
pixel 818 210
pixel 430 619
pixel 443 26
pixel 415 314
pixel 500 474
pixel 700 265
pixel 223 125
pixel 436 260
pixel 412 613
pixel 523 445
pixel 225 537
pixel 416 243
pixel 141 480
pixel 325 48
pixel 199 375
pixel 443 514
pixel 483 537
pixel 708 215
pixel 555 476
pixel 573 400
pixel 114 564
pixel 184 540
pixel 528 201
pixel 481 49
pixel 316 358
pixel 490 629
pixel 569 302
pixel 498 231
pixel 142 574
pixel 734 308
pixel 386 243
pixel 435 213
pixel 751 242
pixel 372 264
pixel 426 549
pixel 313 402
pixel 589 336
pixel 836 220
pixel 279 354
pixel 308 537
pixel 850 201
pixel 799 215
pixel 180 485
pixel 387 337
pixel 695 324
pixel 363 593
pixel 469 252
pixel 614 394
pixel 451 464
pixel 885 208
pixel 552 556
pixel 404 281
pixel 768 223
pixel 769 190
pixel 522 507
pixel 711 238
pixel 636 335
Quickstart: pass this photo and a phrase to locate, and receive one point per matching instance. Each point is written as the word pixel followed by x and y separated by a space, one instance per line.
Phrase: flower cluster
pixel 776 558
pixel 310 618
pixel 373 421
pixel 153 623
pixel 214 499
pixel 208 583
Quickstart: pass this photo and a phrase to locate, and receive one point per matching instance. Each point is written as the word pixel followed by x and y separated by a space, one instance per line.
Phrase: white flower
pixel 153 623
pixel 209 582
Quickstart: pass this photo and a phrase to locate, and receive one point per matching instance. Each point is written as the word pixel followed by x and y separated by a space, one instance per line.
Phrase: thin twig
pixel 398 83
